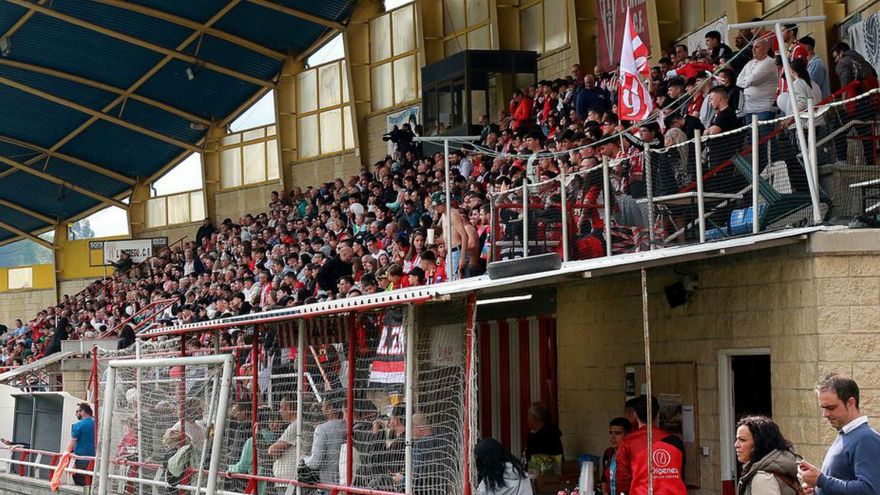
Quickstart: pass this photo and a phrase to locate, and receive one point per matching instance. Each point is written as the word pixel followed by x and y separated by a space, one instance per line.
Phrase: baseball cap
pixel 438 198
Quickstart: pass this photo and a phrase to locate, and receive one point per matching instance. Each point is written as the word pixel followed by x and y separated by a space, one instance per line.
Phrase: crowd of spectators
pixel 383 229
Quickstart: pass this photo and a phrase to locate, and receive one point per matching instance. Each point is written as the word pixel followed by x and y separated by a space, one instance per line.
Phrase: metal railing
pixel 741 182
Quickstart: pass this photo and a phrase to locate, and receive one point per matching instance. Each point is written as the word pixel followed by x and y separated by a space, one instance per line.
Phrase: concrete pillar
pixel 211 169
pixel 285 117
pixel 137 210
pixel 586 25
pixel 356 40
pixel 61 238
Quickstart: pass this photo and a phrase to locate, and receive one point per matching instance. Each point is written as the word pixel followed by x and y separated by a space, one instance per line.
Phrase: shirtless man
pixel 459 234
pixel 472 264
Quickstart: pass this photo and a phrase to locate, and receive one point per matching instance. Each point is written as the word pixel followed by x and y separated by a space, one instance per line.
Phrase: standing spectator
pixel 498 472
pixel 82 441
pixel 758 82
pixel 769 464
pixel 850 466
pixel 816 66
pixel 632 462
pixel 206 229
pixel 544 437
pixel 718 49
pixel 520 110
pixel 591 97
pixel 851 66
pixel 796 50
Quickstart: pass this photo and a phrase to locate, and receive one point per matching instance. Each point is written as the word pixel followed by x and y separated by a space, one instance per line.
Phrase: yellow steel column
pixel 356 40
pixel 285 118
pixel 211 169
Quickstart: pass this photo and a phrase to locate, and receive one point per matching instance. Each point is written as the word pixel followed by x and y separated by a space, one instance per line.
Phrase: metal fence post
pixel 650 188
pixel 300 372
pixel 525 218
pixel 606 199
pixel 492 227
pixel 756 173
pixel 701 207
pixel 811 145
pixel 563 198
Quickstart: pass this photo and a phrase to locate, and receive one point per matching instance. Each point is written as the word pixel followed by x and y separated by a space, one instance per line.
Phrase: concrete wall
pixel 24 304
pixel 765 299
pixel 73 287
pixel 375 148
pixel 557 64
pixel 313 172
pixel 187 231
pixel 234 204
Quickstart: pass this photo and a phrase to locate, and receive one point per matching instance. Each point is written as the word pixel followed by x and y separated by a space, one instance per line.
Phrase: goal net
pixel 303 392
pixel 162 423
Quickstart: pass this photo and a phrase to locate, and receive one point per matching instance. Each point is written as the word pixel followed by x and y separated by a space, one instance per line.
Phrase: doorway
pixel 743 389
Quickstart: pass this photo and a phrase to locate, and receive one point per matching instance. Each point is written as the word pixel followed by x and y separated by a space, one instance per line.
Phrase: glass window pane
pixel 306 91
pixel 345 96
pixel 252 134
pixel 380 38
pixel 454 45
pixel 477 11
pixel 231 139
pixel 478 39
pixel 381 86
pixel 329 91
pixel 404 79
pixel 255 163
pixel 307 136
pixel 453 16
pixel 270 131
pixel 178 209
pixel 272 168
pixel 20 278
pixel 530 29
pixel 555 24
pixel 230 167
pixel 404 37
pixel 156 212
pixel 331 131
pixel 197 206
pixel 348 132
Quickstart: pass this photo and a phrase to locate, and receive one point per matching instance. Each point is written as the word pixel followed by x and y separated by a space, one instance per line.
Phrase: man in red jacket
pixel 667 454
pixel 520 110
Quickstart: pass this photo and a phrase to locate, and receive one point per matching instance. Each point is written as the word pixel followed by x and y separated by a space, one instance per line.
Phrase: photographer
pixel 401 137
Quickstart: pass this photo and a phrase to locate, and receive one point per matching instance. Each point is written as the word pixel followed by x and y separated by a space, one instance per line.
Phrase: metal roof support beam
pixel 104 87
pixel 28 212
pixel 298 13
pixel 99 115
pixel 141 43
pixel 61 182
pixel 28 235
pixel 71 159
pixel 187 23
pixel 308 52
pixel 144 78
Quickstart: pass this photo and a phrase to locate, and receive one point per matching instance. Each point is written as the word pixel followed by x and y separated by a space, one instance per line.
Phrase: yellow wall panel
pixel 44 276
pixel 76 258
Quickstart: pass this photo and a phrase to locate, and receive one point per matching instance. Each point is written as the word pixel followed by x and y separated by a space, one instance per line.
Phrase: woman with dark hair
pixel 498 472
pixel 126 338
pixel 769 463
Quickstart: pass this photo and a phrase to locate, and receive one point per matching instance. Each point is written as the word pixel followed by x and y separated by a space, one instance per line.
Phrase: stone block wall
pixel 24 304
pixel 816 312
pixel 557 64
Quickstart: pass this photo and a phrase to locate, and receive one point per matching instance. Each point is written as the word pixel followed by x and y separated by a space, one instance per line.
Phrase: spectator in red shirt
pixel 520 110
pixel 668 457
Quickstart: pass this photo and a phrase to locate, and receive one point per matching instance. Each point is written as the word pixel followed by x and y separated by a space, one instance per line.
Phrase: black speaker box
pixel 524 266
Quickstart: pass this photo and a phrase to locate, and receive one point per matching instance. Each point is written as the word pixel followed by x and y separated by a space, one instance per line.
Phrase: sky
pixel 187 175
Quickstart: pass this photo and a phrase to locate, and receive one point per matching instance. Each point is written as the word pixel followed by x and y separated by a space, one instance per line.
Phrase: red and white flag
pixel 633 99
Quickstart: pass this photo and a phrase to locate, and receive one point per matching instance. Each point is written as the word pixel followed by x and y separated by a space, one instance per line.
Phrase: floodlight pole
pixel 799 127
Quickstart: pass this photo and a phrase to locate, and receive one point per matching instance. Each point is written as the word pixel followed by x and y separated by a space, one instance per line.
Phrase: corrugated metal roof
pixel 51 41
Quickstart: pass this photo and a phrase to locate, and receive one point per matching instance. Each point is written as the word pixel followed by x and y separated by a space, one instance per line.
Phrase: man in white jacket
pixel 758 82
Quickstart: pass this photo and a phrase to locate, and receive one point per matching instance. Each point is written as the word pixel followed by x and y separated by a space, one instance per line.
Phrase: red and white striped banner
pixel 517 367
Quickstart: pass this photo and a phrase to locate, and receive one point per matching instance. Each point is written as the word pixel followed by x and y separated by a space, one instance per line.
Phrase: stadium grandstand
pixel 284 246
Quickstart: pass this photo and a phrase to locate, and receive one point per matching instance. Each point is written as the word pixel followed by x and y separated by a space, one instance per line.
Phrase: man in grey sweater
pixel 850 466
